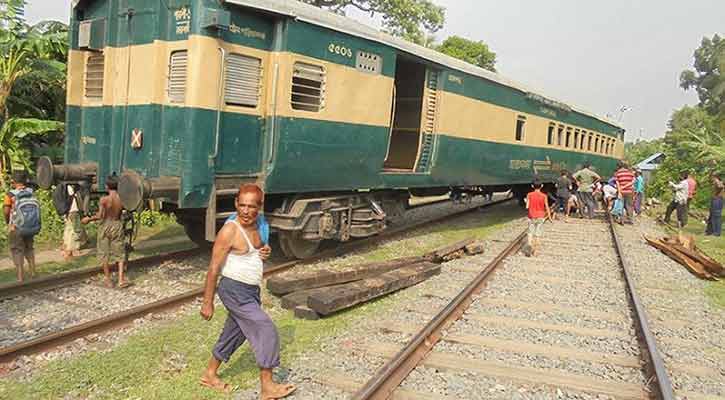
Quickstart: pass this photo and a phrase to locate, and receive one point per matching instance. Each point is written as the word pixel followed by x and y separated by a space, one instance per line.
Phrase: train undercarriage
pixel 300 222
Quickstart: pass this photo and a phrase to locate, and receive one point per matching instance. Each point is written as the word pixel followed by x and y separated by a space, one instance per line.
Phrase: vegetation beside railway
pixel 164 362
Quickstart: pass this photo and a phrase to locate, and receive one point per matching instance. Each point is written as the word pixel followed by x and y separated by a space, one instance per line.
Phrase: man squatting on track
pixel 538 205
pixel 238 255
pixel 110 247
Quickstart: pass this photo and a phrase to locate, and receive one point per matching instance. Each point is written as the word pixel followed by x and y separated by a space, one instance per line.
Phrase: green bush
pixel 151 217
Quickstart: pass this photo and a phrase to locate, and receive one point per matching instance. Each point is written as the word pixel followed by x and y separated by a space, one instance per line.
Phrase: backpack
pixel 26 213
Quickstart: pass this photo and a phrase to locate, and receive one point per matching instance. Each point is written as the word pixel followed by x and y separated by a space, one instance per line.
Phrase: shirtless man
pixel 237 254
pixel 110 233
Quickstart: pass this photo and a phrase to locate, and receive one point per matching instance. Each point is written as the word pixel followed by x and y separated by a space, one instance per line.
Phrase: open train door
pixel 411 144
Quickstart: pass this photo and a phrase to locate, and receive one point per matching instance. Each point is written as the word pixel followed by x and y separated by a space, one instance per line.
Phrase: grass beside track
pixel 165 362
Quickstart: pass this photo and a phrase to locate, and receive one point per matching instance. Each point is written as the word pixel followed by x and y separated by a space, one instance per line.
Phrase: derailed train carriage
pixel 339 123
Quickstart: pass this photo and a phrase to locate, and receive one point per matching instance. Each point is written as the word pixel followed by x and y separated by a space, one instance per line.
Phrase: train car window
pixel 308 87
pixel 560 136
pixel 242 80
pixel 550 134
pixel 520 124
pixel 589 142
pixel 178 63
pixel 596 144
pixel 583 138
pixel 611 149
pixel 94 76
pixel 568 137
pixel 576 138
pixel 609 144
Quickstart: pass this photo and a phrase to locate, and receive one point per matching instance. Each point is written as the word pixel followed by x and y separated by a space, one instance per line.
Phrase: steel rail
pixel 54 280
pixel 392 374
pixel 664 384
pixel 103 324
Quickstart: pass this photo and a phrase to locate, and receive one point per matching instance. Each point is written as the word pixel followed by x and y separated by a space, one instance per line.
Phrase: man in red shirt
pixel 625 188
pixel 538 205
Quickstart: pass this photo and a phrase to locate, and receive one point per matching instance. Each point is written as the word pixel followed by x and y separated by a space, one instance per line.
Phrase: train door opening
pixel 404 141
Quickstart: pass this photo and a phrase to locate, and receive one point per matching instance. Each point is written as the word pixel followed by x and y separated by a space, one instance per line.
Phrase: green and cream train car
pixel 339 123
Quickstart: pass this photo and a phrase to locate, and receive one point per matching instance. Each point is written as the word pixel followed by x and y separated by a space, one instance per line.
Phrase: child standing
pixel 538 206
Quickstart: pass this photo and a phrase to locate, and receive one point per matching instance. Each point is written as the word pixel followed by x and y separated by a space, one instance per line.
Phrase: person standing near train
pixel 714 219
pixel 110 246
pixel 625 189
pixel 22 216
pixel 238 256
pixel 585 180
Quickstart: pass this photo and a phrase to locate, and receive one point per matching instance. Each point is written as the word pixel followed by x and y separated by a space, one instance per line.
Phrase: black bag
pixel 61 199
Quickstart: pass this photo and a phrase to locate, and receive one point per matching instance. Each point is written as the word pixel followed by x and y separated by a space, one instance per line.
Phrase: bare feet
pixel 107 282
pixel 215 383
pixel 275 391
pixel 124 284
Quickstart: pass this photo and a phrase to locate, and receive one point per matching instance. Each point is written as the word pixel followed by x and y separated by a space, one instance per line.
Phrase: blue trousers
pixel 246 321
pixel 714 220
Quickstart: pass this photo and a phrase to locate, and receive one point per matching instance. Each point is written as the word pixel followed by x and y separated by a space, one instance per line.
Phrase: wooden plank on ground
pixel 344 296
pixel 693 266
pixel 515 346
pixel 288 283
pixel 537 376
pixel 451 251
pixel 304 312
pixel 299 298
pixel 523 323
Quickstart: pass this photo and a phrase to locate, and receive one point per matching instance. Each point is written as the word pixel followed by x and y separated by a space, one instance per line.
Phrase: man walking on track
pixel 237 255
pixel 22 216
pixel 538 205
pixel 625 189
pixel 585 179
pixel 110 246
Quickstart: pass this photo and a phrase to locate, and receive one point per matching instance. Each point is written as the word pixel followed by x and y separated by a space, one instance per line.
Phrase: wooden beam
pixel 288 283
pixel 344 296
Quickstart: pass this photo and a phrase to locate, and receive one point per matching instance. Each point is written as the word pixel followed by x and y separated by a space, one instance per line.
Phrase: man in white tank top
pixel 237 256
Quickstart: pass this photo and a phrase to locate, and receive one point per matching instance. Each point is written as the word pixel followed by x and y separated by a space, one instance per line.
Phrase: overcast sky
pixel 599 55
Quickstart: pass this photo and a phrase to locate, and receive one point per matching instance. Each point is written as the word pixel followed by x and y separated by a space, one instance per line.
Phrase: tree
pixel 409 19
pixel 708 78
pixel 31 65
pixel 476 53
pixel 13 153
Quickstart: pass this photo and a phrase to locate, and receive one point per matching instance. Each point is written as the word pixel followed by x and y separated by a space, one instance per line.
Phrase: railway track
pixel 565 324
pixel 186 289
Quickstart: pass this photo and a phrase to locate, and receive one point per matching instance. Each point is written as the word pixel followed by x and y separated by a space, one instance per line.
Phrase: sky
pixel 597 55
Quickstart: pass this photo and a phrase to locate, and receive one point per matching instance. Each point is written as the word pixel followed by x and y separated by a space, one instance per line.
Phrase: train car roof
pixel 316 16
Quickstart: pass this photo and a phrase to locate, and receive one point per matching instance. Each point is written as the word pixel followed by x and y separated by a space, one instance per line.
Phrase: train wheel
pixel 294 246
pixel 195 231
